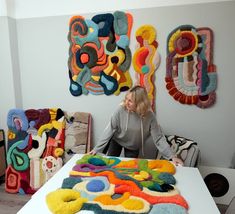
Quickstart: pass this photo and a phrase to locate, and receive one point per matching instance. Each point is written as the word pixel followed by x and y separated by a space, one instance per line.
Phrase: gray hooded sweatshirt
pixel 132 131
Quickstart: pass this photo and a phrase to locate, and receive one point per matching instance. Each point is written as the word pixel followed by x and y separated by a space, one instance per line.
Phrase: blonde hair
pixel 141 99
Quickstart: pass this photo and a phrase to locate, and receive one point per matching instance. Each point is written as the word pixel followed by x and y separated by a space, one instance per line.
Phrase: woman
pixel 132 125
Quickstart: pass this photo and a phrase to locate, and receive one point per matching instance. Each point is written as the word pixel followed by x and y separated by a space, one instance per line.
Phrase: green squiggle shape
pixel 18 160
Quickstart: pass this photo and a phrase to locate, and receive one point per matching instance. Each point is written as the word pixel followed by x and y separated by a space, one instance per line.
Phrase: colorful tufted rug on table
pixel 110 185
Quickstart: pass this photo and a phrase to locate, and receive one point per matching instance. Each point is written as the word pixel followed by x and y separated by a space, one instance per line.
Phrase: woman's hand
pixel 92 152
pixel 177 161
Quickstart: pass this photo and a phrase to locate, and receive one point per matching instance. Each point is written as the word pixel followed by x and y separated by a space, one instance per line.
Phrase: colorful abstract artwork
pixel 99 54
pixel 146 59
pixel 77 134
pixel 191 76
pixel 100 184
pixel 35 147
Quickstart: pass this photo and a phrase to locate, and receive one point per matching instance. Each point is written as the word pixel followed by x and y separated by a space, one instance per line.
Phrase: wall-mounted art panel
pixel 99 54
pixel 191 76
pixel 146 59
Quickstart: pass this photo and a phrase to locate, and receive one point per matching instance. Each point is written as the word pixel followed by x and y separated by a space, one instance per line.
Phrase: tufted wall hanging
pixel 39 142
pixel 35 148
pixel 146 59
pixel 99 54
pixel 191 76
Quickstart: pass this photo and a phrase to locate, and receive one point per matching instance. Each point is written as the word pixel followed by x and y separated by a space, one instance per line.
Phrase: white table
pixel 189 182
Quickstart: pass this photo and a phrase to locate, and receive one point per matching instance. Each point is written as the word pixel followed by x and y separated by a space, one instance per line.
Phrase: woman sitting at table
pixel 131 126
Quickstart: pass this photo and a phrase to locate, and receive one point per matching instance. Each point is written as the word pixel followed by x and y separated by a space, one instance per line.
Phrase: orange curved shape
pixel 114 180
pixel 162 166
pixel 175 199
pixel 127 164
pixel 108 200
pixel 139 59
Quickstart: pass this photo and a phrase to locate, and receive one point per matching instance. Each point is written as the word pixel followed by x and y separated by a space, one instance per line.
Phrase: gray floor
pixel 11 203
pixel 222 208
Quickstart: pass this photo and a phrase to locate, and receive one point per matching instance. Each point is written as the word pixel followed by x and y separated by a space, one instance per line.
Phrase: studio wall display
pixel 191 76
pixel 146 59
pixel 99 54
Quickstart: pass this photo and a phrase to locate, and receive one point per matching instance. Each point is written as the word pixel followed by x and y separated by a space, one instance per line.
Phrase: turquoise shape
pixel 109 85
pixel 168 208
pixel 96 162
pixel 123 41
pixel 70 182
pixel 145 69
pixel 74 87
pixel 167 178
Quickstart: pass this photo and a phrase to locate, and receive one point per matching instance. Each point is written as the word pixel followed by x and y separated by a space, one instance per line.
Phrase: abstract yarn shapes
pixel 16 119
pixel 146 59
pixel 99 54
pixel 190 73
pixel 35 146
pixel 12 183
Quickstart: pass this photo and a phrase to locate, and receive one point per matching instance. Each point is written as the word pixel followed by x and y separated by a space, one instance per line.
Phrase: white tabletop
pixel 189 182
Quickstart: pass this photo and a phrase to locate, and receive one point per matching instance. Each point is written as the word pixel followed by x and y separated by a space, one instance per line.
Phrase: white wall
pixel 10 85
pixel 3 8
pixel 41 8
pixel 43 55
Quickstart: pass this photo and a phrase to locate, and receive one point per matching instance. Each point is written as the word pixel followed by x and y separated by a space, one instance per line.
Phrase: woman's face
pixel 130 103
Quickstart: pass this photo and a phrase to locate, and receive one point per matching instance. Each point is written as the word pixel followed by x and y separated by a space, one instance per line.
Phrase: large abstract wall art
pixel 191 76
pixel 99 54
pixel 146 59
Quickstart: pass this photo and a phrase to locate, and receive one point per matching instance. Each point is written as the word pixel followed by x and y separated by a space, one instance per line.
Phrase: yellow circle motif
pixel 64 201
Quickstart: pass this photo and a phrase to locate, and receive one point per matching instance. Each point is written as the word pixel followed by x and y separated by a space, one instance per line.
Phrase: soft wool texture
pixel 191 76
pixel 35 148
pixel 146 60
pixel 70 182
pixel 168 209
pixel 128 187
pixel 99 54
pixel 64 201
